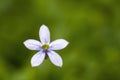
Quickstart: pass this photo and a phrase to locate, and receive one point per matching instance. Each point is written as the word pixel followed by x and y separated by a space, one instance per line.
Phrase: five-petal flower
pixel 46 48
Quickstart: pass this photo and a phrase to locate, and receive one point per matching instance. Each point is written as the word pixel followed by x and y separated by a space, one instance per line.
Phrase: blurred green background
pixel 91 26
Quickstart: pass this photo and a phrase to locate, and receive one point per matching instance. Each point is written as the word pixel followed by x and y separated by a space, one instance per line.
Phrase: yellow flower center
pixel 45 46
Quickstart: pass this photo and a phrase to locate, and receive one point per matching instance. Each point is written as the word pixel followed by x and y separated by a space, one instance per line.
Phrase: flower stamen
pixel 45 46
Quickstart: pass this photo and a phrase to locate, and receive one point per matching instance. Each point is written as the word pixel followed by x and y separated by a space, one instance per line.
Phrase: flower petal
pixel 32 44
pixel 37 59
pixel 58 44
pixel 55 58
pixel 44 34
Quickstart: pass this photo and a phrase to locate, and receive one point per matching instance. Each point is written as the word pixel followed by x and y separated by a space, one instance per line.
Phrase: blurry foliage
pixel 91 26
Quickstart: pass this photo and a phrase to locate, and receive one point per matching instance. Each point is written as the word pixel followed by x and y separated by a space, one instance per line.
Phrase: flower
pixel 45 48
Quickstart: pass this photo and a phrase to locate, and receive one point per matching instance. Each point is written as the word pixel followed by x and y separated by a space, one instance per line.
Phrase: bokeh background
pixel 91 26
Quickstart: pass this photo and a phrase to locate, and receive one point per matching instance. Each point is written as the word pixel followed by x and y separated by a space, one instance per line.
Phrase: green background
pixel 91 26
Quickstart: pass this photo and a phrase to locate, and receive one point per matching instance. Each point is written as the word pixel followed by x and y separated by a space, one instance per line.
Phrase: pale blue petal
pixel 37 59
pixel 58 44
pixel 44 34
pixel 32 44
pixel 55 58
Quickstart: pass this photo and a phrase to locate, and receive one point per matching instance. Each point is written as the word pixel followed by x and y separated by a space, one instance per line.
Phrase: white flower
pixel 45 48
